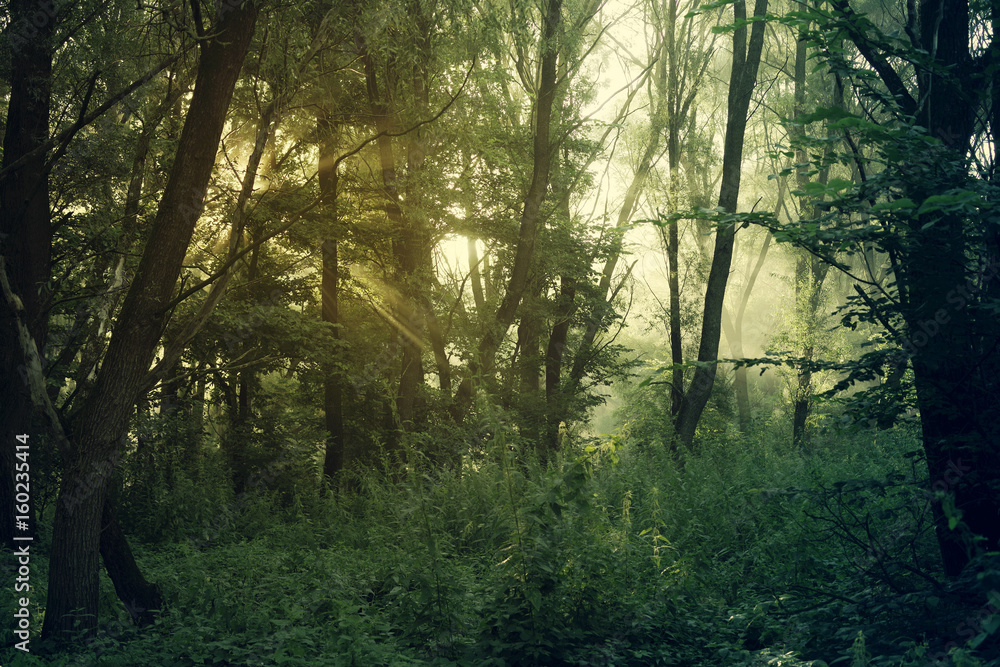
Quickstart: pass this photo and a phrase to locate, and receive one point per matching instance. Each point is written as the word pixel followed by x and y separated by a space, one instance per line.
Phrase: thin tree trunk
pixel 333 402
pixel 744 76
pixel 555 396
pixel 528 365
pixel 803 390
pixel 733 328
pixel 476 277
pixel 333 399
pixel 810 274
pixel 484 362
pixel 676 342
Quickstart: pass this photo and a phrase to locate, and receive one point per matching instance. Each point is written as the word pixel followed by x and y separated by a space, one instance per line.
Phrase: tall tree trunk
pixel 556 397
pixel 958 398
pixel 333 400
pixel 674 324
pixel 952 344
pixel 672 233
pixel 528 366
pixel 802 393
pixel 102 424
pixel 25 240
pixel 744 76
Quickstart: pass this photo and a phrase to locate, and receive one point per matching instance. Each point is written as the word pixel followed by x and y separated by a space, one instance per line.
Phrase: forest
pixel 500 332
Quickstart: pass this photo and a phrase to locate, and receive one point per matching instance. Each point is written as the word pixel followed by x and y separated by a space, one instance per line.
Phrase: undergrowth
pixel 748 554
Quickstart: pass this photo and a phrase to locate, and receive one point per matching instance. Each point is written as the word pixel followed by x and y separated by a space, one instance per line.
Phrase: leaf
pixel 838 184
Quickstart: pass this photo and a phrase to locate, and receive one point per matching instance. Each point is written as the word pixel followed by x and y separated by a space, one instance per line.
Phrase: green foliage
pixel 172 485
pixel 750 555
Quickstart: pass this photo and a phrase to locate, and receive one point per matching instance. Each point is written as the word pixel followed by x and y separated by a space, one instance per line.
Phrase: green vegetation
pixel 752 555
pixel 506 332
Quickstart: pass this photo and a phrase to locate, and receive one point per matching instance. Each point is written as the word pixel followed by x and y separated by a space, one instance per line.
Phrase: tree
pixel 542 151
pixel 98 429
pixel 927 200
pixel 746 59
pixel 732 325
pixel 25 233
pixel 810 271
pixel 29 162
pixel 333 400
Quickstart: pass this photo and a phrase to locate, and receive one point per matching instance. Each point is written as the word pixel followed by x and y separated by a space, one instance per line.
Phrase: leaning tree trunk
pixel 744 76
pixel 102 423
pixel 141 598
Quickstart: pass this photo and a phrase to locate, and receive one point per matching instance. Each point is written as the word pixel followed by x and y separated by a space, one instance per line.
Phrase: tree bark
pixel 810 274
pixel 528 365
pixel 25 239
pixel 744 76
pixel 951 342
pixel 102 424
pixel 141 598
pixel 674 324
pixel 958 398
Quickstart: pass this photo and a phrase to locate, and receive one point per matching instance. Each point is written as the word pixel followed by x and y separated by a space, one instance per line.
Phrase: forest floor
pixel 751 554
